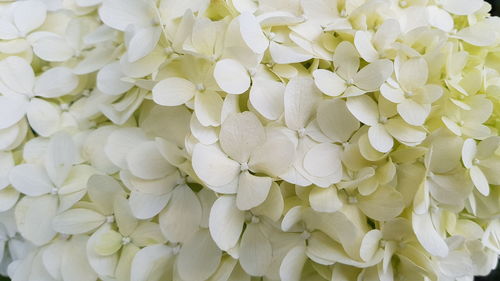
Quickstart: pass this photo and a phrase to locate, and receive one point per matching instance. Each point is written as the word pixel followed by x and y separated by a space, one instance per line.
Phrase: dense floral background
pixel 494 276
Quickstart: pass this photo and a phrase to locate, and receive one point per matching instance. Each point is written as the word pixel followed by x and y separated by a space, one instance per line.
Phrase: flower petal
pixel 335 120
pixel 231 76
pixel 173 91
pixel 427 235
pixel 255 251
pixel 364 108
pixel 199 257
pixel 34 218
pixel 479 179
pixel 213 166
pixel 77 221
pixel 240 134
pixel 226 222
pixel 30 179
pixel 329 83
pixel 252 190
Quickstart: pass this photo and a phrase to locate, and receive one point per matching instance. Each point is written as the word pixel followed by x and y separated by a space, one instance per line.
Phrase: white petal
pixel 477 35
pixel 301 97
pixel 53 48
pixel 17 74
pixel 364 109
pixel 413 73
pixel 283 54
pixel 292 264
pixel 479 179
pixel 462 7
pixel 30 179
pixel 370 244
pixel 231 76
pixel 252 33
pixel 328 82
pixel 266 96
pixel 275 156
pixel 325 199
pixel 363 43
pixel 252 190
pixel 199 257
pixel 413 113
pixel 109 81
pixel 372 76
pixel 77 221
pixel 380 139
pixel 12 109
pixel 173 91
pixel 29 15
pixel 208 108
pixel 150 263
pixel 273 206
pixel 213 166
pixel 335 120
pixel 405 133
pixel 44 117
pixel 34 218
pixel 324 160
pixel 427 235
pixel 146 206
pixel 395 95
pixel 125 221
pixel 346 60
pixel 143 42
pixel 255 251
pixel 8 198
pixel 102 190
pixel 439 18
pixel 384 204
pixel 240 134
pixel 226 222
pixel 103 265
pixel 182 217
pixel 146 162
pixel 120 14
pixel 74 264
pixel 60 157
pixel 205 135
pixel 120 142
pixel 469 151
pixel 56 82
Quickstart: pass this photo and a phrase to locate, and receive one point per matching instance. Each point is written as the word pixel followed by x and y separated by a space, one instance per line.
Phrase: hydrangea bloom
pixel 147 140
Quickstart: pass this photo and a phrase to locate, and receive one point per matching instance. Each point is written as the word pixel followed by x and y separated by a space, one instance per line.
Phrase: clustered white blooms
pixel 149 140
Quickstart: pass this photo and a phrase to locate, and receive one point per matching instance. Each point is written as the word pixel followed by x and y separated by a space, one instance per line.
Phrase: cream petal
pixel 208 108
pixel 479 179
pixel 346 60
pixel 226 222
pixel 34 218
pixel 56 82
pixel 380 139
pixel 413 112
pixel 240 134
pixel 329 82
pixel 30 179
pixel 252 33
pixel 255 251
pixel 231 76
pixel 325 200
pixel 301 97
pixel 252 190
pixel 182 216
pixel 173 91
pixel 213 166
pixel 363 43
pixel 427 235
pixel 266 96
pixel 77 221
pixel 199 257
pixel 335 120
pixel 364 109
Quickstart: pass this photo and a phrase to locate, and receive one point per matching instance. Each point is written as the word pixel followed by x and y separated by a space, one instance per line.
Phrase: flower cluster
pixel 147 140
